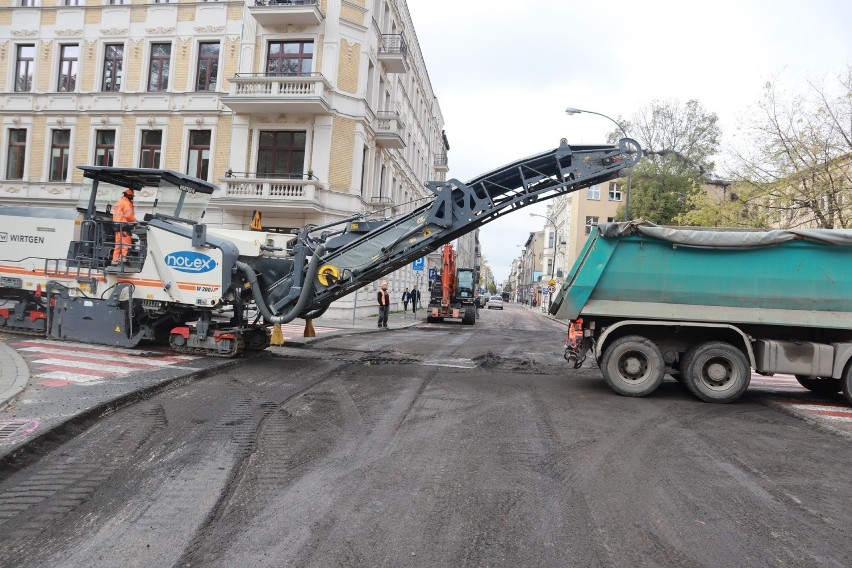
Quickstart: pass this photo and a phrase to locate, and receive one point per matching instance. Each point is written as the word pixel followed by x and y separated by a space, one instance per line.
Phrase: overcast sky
pixel 504 71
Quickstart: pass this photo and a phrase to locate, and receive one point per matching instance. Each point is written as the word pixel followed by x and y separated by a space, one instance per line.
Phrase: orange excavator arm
pixel 448 276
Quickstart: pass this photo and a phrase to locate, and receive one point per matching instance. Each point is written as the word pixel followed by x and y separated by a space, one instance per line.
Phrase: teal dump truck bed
pixel 707 306
pixel 783 277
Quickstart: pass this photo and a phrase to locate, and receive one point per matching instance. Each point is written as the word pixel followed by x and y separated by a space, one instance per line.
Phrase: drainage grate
pixel 16 428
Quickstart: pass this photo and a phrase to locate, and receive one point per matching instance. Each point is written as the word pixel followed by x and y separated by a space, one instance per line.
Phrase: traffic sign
pixel 419 264
pixel 552 283
pixel 551 289
pixel 256 224
pixel 433 274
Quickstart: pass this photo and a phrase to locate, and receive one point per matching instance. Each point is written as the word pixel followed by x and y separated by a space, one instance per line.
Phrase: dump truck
pixel 708 306
pixel 452 294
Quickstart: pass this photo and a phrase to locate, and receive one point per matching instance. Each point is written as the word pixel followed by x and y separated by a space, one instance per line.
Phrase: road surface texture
pixel 437 445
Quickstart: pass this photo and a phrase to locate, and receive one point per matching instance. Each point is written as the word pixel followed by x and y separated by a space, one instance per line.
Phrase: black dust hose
pixel 304 297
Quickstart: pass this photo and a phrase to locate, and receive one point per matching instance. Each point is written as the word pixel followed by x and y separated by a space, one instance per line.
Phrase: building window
pixel 594 192
pixel 72 2
pixel 610 219
pixel 281 154
pixel 152 143
pixel 104 147
pixel 27 3
pixel 208 66
pixel 60 144
pixel 293 58
pixel 158 74
pixel 68 56
pixel 17 153
pixel 24 65
pixel 198 159
pixel 614 192
pixel 113 61
pixel 118 2
pixel 591 222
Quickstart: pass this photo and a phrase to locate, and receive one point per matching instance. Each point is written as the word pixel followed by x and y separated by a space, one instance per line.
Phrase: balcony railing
pixel 272 187
pixel 261 92
pixel 441 163
pixel 283 12
pixel 393 53
pixel 389 129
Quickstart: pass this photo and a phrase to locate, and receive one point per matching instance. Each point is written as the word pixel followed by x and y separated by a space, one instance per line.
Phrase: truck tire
pixel 469 315
pixel 633 366
pixel 716 372
pixel 846 382
pixel 821 385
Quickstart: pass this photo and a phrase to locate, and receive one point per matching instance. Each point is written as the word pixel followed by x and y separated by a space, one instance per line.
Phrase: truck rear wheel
pixel 633 366
pixel 846 382
pixel 821 385
pixel 716 372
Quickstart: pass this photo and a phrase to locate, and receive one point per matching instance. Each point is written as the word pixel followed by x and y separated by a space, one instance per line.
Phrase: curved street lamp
pixel 570 111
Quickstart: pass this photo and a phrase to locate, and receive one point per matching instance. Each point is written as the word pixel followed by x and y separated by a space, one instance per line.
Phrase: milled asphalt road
pixel 38 416
pixel 435 445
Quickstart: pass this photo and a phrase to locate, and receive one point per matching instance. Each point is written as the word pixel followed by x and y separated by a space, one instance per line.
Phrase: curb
pixel 18 373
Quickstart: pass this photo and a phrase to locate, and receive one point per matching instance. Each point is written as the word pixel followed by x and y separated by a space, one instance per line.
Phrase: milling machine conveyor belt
pixel 362 251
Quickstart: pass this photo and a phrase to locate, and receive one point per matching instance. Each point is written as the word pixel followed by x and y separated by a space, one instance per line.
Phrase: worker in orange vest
pixel 123 212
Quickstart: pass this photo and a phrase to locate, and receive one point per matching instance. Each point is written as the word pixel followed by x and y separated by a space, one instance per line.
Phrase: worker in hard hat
pixel 123 213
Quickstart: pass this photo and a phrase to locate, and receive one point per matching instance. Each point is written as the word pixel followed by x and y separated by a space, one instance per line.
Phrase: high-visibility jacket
pixel 123 211
pixel 384 298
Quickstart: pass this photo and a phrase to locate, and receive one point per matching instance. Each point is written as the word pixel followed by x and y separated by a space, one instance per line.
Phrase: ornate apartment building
pixel 305 111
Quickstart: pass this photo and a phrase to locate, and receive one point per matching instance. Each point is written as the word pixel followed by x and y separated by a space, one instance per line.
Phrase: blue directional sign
pixel 433 274
pixel 419 264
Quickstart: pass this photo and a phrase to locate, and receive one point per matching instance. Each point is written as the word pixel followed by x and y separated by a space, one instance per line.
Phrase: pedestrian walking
pixel 384 304
pixel 414 296
pixel 406 295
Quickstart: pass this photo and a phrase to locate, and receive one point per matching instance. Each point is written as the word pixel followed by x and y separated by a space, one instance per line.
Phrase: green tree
pixel 795 156
pixel 678 141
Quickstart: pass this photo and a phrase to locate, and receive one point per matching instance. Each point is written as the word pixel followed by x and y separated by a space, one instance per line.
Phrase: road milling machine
pixel 216 291
pixel 453 292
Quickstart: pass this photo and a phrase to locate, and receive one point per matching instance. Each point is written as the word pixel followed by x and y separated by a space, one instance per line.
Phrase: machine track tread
pixel 237 348
pixel 23 331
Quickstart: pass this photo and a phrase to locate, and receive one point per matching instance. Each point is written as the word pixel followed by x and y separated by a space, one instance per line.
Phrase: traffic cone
pixel 309 329
pixel 277 336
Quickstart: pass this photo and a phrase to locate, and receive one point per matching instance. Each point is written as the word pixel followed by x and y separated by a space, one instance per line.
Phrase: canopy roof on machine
pixel 137 178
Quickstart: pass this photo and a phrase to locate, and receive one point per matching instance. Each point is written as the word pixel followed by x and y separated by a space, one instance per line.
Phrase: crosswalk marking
pixel 60 364
pixel 293 329
pixel 83 357
pixel 815 407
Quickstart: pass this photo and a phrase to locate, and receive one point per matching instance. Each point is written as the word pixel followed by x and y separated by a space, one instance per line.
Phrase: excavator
pixel 213 291
pixel 455 296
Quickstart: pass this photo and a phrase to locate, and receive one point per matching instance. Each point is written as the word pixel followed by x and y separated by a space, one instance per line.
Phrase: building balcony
pixel 259 93
pixel 389 129
pixel 393 53
pixel 247 190
pixel 441 163
pixel 283 12
pixel 381 202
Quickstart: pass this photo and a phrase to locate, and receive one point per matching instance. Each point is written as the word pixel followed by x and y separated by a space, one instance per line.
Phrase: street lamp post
pixel 572 111
pixel 552 273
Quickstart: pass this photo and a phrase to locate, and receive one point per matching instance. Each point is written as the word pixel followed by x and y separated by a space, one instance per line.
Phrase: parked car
pixel 495 302
pixel 481 301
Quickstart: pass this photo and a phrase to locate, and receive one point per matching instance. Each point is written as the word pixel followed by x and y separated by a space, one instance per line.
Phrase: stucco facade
pixel 306 113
